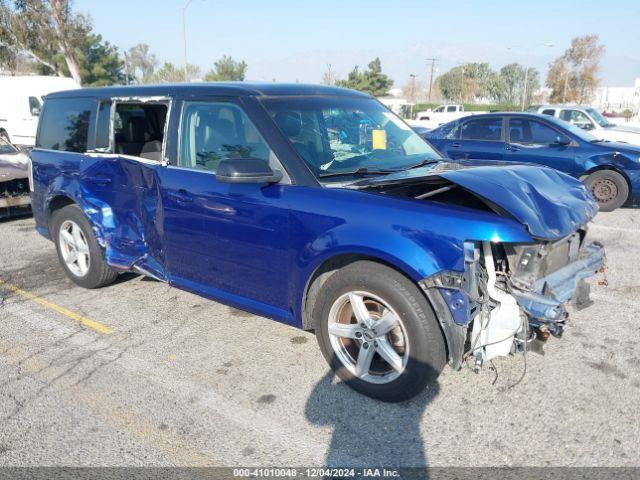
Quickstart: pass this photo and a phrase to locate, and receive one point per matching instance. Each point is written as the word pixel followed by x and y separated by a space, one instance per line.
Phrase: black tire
pixel 426 342
pixel 99 274
pixel 609 188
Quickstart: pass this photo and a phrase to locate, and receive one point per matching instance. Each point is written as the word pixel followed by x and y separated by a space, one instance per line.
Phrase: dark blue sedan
pixel 610 169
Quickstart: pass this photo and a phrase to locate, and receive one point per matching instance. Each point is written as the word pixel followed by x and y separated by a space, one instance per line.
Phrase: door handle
pixel 511 148
pixel 99 179
pixel 455 145
pixel 181 196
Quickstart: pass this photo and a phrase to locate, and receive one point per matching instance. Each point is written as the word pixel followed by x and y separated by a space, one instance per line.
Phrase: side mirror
pixel 35 111
pixel 588 126
pixel 562 141
pixel 246 170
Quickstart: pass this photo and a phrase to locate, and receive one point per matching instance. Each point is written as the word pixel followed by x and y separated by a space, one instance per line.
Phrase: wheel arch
pixel 56 203
pixel 330 265
pixel 607 166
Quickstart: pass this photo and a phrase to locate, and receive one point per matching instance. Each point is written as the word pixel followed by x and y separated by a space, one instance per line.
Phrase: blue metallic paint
pixel 251 245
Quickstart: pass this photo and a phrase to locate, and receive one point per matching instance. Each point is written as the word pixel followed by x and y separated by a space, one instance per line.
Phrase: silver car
pixel 15 195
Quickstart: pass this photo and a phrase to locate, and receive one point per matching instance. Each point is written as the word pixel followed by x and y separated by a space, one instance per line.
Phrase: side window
pixel 34 106
pixel 212 132
pixel 439 109
pixel 489 129
pixel 103 124
pixel 576 117
pixel 531 132
pixel 451 108
pixel 65 124
pixel 139 129
pixel 549 111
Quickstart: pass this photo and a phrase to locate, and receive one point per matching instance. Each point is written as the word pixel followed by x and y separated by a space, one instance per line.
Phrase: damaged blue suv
pixel 319 208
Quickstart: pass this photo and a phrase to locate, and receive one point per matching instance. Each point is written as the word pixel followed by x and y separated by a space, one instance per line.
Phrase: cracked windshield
pixel 345 136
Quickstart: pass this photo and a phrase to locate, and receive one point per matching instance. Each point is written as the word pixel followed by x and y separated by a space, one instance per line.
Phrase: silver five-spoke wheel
pixel 74 248
pixel 368 337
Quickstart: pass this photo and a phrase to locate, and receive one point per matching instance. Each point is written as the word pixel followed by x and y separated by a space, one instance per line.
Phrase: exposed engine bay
pixel 508 293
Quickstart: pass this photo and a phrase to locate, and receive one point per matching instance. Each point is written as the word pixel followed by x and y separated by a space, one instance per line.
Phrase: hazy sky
pixel 291 40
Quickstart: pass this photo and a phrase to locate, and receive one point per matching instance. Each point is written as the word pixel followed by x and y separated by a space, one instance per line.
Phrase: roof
pixel 539 116
pixel 210 88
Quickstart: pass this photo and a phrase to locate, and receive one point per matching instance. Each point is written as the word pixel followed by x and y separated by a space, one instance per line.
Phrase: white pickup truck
pixel 588 118
pixel 440 115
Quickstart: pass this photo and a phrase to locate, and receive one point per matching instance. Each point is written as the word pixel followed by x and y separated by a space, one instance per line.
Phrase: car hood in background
pixel 550 204
pixel 13 166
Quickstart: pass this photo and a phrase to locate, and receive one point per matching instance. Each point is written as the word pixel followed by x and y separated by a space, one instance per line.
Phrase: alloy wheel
pixel 368 337
pixel 74 248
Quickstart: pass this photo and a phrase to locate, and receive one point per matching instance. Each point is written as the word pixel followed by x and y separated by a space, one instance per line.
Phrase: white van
pixel 20 103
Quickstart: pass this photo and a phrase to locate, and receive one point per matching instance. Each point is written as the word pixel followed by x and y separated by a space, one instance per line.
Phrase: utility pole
pixel 433 65
pixel 184 39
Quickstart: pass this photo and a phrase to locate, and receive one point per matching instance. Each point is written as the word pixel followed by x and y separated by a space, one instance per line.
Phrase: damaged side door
pixel 120 185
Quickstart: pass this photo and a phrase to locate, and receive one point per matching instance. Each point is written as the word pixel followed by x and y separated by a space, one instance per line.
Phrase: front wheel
pixel 78 251
pixel 609 188
pixel 378 332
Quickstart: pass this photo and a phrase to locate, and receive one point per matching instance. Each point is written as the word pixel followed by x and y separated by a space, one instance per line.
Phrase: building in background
pixel 618 99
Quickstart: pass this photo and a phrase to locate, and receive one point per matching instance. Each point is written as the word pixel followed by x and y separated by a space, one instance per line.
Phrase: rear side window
pixel 531 132
pixel 64 124
pixel 549 112
pixel 452 108
pixel 489 129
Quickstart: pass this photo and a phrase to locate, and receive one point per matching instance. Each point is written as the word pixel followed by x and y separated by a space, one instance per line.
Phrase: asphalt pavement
pixel 141 374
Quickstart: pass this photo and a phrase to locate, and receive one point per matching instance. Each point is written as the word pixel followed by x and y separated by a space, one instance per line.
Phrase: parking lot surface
pixel 140 373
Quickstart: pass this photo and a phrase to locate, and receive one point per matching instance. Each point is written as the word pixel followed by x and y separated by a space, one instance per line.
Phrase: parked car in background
pixel 14 181
pixel 20 104
pixel 440 115
pixel 320 208
pixel 611 170
pixel 588 118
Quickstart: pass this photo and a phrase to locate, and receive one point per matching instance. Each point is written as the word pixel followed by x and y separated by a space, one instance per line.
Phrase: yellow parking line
pixel 87 322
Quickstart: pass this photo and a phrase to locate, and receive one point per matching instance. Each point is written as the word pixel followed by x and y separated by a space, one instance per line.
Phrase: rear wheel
pixel 78 251
pixel 609 188
pixel 378 332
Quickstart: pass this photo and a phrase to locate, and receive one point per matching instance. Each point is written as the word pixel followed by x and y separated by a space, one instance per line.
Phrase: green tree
pixel 141 63
pixel 100 63
pixel 58 41
pixel 169 73
pixel 48 32
pixel 227 69
pixel 513 76
pixel 371 81
pixel 573 77
pixel 452 84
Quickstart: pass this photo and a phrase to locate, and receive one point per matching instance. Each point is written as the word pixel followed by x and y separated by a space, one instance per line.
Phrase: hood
pixel 13 166
pixel 624 128
pixel 548 203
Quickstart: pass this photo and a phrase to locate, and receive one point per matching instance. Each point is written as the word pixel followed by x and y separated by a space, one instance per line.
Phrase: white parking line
pixel 616 229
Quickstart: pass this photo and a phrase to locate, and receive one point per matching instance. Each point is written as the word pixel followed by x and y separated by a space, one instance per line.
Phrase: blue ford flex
pixel 319 208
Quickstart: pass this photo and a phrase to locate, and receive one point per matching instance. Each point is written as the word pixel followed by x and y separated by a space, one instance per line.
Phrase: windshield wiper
pixel 359 171
pixel 423 163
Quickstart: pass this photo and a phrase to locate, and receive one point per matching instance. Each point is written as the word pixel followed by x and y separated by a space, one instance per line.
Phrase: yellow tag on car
pixel 379 139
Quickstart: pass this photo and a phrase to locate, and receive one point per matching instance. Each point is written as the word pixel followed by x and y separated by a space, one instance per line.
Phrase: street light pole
pixel 524 89
pixel 184 39
pixel 526 70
